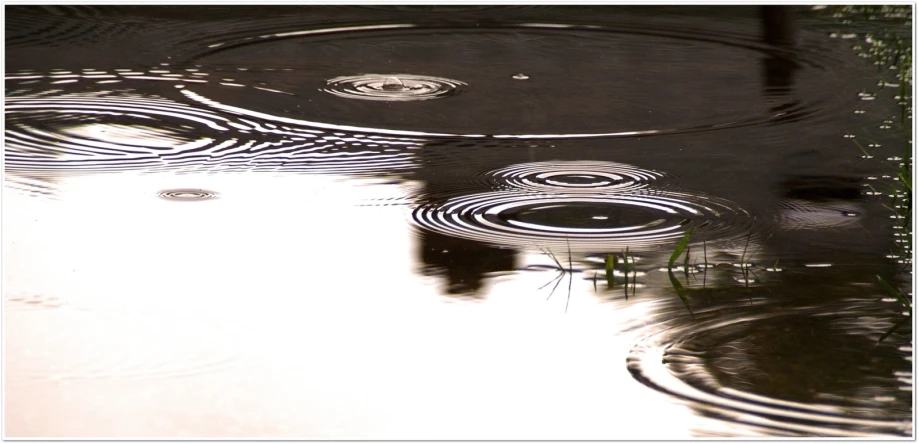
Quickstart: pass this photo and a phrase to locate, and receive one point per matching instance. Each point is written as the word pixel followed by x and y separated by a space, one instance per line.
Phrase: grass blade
pixel 552 256
pixel 595 281
pixel 680 291
pixel 743 256
pixel 625 267
pixel 679 248
pixel 895 293
pixel 570 275
pixel 893 329
pixel 610 266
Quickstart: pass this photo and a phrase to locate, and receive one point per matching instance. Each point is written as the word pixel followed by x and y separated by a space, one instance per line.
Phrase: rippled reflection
pixel 258 222
pixel 580 205
pixel 574 177
pixel 117 131
pixel 772 369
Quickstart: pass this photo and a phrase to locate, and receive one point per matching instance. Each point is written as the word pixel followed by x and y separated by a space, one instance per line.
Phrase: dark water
pixel 395 222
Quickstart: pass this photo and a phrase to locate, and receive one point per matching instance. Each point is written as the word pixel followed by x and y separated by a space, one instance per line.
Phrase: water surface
pixel 346 222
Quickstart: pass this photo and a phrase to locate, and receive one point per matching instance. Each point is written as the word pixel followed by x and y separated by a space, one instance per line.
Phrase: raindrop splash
pixel 393 87
pixel 187 194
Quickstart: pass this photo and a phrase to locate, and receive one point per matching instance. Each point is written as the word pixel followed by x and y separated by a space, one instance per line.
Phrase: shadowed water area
pixel 457 222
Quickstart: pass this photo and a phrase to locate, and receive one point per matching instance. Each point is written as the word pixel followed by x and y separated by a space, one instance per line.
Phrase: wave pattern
pixel 601 222
pixel 660 47
pixel 60 25
pixel 123 130
pixel 574 177
pixel 769 369
pixel 799 214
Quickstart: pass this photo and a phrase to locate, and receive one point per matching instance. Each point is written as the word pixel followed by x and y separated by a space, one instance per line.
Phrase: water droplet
pixel 393 84
pixel 521 76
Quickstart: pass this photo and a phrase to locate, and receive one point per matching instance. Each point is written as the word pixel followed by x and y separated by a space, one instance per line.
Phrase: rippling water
pixel 455 222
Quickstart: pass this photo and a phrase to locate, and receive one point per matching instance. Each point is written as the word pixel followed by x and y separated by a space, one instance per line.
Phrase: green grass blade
pixel 680 291
pixel 625 266
pixel 895 293
pixel 865 152
pixel 610 266
pixel 893 329
pixel 905 179
pixel 679 248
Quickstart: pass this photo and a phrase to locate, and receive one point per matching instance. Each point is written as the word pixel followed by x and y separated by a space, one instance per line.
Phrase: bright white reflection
pixel 117 136
pixel 290 308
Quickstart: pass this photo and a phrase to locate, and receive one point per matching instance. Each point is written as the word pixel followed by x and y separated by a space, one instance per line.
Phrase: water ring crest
pixel 727 367
pixel 583 222
pixel 574 177
pixel 187 194
pixel 393 87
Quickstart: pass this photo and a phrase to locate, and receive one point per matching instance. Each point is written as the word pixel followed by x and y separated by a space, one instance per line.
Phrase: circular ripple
pixel 799 214
pixel 187 194
pixel 393 87
pixel 574 177
pixel 122 130
pixel 815 371
pixel 61 25
pixel 108 130
pixel 600 92
pixel 583 222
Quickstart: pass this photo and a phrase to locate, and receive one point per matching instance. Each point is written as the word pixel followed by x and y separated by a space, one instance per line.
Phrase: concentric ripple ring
pixel 187 194
pixel 583 222
pixel 676 361
pixel 574 177
pixel 393 87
